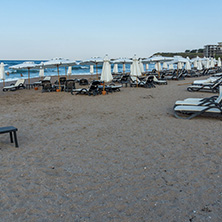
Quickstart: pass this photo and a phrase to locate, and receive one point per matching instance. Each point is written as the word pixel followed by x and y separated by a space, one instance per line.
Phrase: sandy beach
pixel 119 157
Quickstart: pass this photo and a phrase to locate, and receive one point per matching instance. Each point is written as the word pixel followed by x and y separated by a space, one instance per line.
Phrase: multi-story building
pixel 213 50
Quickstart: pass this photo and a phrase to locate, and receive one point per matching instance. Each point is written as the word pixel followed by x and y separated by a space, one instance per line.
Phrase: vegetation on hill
pixel 184 54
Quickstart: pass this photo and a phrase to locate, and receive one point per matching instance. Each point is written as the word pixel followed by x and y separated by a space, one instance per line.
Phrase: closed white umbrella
pixel 219 62
pixel 179 65
pixel 165 65
pixel 147 67
pixel 171 67
pixel 69 73
pixel 135 70
pixel 115 68
pixel 195 64
pixel 41 72
pixel 207 65
pixel 141 65
pixel 106 75
pixel 199 65
pixel 188 66
pixel 2 73
pixel 91 69
pixel 158 66
pixel 212 64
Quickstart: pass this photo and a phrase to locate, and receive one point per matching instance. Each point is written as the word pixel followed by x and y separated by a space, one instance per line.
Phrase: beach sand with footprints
pixel 116 157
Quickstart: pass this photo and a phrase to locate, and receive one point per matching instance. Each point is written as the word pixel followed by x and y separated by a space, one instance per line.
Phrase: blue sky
pixel 82 29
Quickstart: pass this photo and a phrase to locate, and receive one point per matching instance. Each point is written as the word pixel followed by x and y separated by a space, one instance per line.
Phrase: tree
pixel 187 51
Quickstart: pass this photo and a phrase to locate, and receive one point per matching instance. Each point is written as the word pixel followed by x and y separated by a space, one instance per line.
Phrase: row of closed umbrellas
pixel 136 69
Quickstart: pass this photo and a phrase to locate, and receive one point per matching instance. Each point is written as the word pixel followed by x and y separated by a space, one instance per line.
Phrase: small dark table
pixel 10 130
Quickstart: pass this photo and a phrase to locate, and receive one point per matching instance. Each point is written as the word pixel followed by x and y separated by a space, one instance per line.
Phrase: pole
pixel 97 72
pixel 58 75
pixel 66 74
pixel 29 76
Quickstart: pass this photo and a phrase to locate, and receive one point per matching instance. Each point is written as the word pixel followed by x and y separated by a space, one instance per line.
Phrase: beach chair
pixel 109 88
pixel 69 85
pixel 205 81
pixel 159 82
pixel 92 90
pixel 125 79
pixel 214 100
pixel 207 87
pixel 20 84
pixel 148 83
pixel 83 82
pixel 189 112
pixel 39 83
pixel 135 81
pixel 47 86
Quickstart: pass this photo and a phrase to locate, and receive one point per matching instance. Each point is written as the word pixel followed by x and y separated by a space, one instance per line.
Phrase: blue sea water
pixel 12 75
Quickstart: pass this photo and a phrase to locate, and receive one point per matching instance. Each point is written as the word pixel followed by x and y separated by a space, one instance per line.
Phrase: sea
pixel 13 75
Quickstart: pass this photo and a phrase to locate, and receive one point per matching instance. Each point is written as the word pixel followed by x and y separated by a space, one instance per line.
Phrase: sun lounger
pixel 214 100
pixel 47 86
pixel 20 83
pixel 39 83
pixel 205 81
pixel 159 82
pixel 83 82
pixel 92 90
pixel 69 85
pixel 189 112
pixel 125 79
pixel 208 87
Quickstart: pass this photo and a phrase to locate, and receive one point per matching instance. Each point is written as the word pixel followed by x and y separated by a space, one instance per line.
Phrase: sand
pixel 117 157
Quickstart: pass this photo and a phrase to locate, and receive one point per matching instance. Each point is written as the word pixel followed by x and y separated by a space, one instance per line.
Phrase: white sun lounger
pixel 201 101
pixel 194 111
pixel 19 84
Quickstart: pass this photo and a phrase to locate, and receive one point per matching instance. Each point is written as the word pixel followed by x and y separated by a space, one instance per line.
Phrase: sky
pixel 72 29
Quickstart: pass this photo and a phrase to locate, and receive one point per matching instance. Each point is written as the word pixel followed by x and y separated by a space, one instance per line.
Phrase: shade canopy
pixel 57 62
pixel 25 65
pixel 92 61
pixel 122 61
pixel 106 75
pixel 135 68
pixel 154 59
pixel 177 59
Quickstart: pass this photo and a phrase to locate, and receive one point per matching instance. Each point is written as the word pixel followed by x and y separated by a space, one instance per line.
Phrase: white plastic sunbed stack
pixel 199 105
